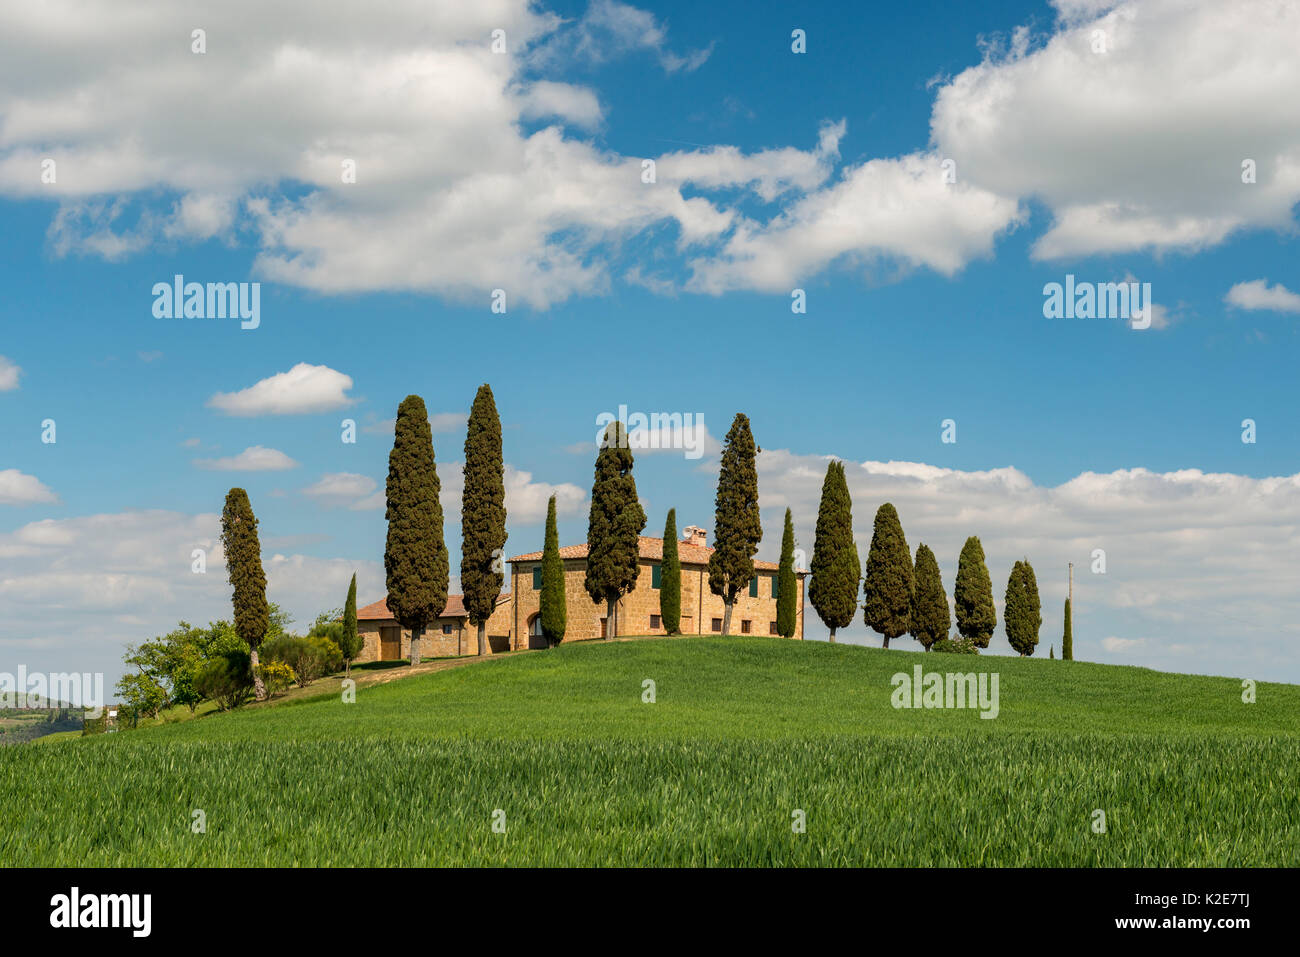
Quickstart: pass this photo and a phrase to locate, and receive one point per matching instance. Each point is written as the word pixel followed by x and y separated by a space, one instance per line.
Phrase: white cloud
pixel 255 458
pixel 892 209
pixel 76 590
pixel 525 499
pixel 18 488
pixel 1140 147
pixel 611 29
pixel 1197 559
pixel 1122 645
pixel 1258 294
pixel 9 374
pixel 303 389
pixel 340 488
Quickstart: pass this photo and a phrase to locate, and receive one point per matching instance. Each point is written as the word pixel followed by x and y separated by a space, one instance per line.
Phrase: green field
pixel 744 731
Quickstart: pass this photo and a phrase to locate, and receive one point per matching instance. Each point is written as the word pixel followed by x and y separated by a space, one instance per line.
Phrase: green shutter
pixel 537 578
pixel 656 575
pixel 774 587
pixel 753 587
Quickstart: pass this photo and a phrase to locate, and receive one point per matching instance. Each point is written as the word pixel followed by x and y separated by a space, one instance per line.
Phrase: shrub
pixel 310 657
pixel 226 679
pixel 956 646
pixel 277 676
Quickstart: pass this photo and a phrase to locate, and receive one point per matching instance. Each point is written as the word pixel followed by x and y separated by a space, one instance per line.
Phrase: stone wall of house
pixel 699 605
pixel 443 638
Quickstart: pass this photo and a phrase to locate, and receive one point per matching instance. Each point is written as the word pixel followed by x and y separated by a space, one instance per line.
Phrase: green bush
pixel 310 658
pixel 956 646
pixel 226 679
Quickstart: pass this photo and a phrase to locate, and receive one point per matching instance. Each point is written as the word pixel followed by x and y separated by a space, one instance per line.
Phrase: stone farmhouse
pixel 516 622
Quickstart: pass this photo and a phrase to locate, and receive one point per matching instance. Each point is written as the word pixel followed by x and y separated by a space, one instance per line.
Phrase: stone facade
pixel 514 626
pixel 638 611
pixel 450 635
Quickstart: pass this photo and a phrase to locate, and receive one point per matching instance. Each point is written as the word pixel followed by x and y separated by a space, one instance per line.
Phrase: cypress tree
pixel 670 579
pixel 889 583
pixel 554 611
pixel 833 588
pixel 736 526
pixel 247 576
pixel 614 525
pixel 1022 610
pixel 973 595
pixel 1051 651
pixel 415 555
pixel 483 514
pixel 787 585
pixel 930 617
pixel 350 642
pixel 1067 640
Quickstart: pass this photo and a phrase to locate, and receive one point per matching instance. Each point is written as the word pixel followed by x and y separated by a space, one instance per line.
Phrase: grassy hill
pixel 744 731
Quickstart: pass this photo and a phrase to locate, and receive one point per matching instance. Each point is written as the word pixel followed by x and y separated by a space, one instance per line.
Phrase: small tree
pixel 247 577
pixel 973 595
pixel 1022 610
pixel 1067 640
pixel 890 580
pixel 349 641
pixel 554 611
pixel 737 529
pixel 483 514
pixel 670 578
pixel 415 555
pixel 614 526
pixel 833 588
pixel 930 617
pixel 787 585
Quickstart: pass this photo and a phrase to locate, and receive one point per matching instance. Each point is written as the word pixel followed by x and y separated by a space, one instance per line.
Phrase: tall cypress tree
pixel 554 610
pixel 670 578
pixel 973 595
pixel 736 529
pixel 247 576
pixel 833 589
pixel 890 581
pixel 415 555
pixel 930 617
pixel 1067 640
pixel 787 585
pixel 483 514
pixel 350 642
pixel 614 525
pixel 1022 610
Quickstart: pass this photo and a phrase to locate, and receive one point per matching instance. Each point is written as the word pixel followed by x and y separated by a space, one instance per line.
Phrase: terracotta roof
pixel 455 608
pixel 652 548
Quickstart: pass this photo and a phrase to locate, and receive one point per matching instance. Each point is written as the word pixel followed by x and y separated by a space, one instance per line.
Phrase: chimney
pixel 695 536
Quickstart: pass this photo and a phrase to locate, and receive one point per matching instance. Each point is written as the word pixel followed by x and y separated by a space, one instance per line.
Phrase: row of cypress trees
pixel 905 596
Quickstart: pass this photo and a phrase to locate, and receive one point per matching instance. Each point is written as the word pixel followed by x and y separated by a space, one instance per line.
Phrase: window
pixel 656 575
pixel 744 627
pixel 446 629
pixel 537 578
pixel 753 587
pixel 717 624
pixel 655 621
pixel 771 628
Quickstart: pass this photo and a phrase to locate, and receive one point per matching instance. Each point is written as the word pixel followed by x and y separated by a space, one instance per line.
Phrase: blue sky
pixel 902 330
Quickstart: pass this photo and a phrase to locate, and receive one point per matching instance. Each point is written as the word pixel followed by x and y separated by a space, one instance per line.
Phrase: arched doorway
pixel 536 639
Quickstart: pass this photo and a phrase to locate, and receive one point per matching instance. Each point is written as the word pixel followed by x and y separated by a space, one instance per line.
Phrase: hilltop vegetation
pixel 741 735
